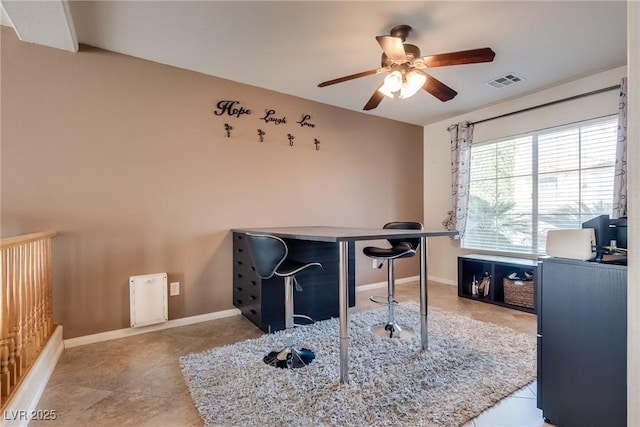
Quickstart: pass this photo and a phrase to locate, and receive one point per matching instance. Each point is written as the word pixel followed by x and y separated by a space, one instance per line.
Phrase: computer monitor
pixel 618 230
pixel 600 225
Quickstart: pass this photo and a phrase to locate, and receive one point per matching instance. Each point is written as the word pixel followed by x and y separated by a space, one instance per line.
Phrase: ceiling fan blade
pixel 392 47
pixel 463 57
pixel 375 99
pixel 438 89
pixel 350 77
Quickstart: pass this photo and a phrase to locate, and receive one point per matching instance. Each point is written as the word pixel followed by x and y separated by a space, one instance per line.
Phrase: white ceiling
pixel 291 46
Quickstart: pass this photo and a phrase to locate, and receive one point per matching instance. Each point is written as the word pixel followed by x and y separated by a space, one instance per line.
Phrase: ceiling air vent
pixel 504 81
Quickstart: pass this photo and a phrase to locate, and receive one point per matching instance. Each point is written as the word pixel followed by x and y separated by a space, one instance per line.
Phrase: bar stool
pixel 270 257
pixel 400 248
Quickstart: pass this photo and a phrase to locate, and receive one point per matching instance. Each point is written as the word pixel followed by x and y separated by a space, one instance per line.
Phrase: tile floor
pixel 136 381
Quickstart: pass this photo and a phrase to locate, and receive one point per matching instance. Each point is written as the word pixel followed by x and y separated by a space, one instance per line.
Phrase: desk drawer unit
pixel 262 301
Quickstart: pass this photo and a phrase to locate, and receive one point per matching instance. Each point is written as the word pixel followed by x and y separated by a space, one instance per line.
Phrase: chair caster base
pixel 290 358
pixel 391 330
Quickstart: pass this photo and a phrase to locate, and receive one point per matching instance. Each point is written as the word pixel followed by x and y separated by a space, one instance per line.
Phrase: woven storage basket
pixel 518 292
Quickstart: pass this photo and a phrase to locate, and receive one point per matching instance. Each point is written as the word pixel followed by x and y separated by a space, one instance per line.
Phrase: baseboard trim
pixel 377 285
pixel 127 332
pixel 402 281
pixel 443 280
pixel 122 333
pixel 26 398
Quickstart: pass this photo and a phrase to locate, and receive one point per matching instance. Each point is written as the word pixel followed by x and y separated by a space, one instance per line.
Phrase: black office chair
pixel 400 248
pixel 270 257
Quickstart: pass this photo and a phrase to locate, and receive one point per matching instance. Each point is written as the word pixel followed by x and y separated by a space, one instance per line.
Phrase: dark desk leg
pixel 343 288
pixel 423 293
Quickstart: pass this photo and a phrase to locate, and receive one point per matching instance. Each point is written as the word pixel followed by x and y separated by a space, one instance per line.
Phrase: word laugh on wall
pixel 234 109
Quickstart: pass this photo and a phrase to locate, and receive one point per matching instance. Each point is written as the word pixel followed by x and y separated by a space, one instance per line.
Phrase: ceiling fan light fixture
pixel 400 84
pixel 413 83
pixel 392 84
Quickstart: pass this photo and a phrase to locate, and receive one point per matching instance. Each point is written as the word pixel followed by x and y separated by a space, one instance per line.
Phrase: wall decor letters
pixel 276 120
pixel 304 121
pixel 227 129
pixel 231 108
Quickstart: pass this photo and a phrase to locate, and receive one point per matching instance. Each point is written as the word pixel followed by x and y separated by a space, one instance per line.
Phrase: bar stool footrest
pixel 382 299
pixel 302 316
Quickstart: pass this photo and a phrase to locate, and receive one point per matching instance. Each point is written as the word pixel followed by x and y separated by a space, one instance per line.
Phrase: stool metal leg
pixel 391 292
pixel 288 303
pixel 291 356
pixel 391 329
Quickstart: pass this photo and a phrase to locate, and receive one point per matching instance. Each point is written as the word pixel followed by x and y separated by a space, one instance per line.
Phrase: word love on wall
pixel 304 121
pixel 236 109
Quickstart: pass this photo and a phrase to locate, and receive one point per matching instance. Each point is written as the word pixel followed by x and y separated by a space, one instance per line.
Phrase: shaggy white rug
pixel 470 365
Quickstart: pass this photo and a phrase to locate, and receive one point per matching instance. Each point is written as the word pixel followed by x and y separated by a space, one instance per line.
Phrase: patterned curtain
pixel 620 184
pixel 461 139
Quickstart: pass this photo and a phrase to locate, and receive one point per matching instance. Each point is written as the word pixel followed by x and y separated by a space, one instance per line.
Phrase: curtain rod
pixel 571 98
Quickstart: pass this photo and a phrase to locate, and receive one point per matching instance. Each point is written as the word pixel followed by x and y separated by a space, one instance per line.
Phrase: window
pixel 523 186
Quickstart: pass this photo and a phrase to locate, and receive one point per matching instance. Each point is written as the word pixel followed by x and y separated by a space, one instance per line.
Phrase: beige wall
pixel 437 161
pixel 126 160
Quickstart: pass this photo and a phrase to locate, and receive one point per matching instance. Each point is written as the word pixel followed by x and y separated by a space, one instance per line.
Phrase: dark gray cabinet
pixel 262 301
pixel 582 343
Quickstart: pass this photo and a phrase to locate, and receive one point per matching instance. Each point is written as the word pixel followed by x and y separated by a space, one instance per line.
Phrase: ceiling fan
pixel 406 68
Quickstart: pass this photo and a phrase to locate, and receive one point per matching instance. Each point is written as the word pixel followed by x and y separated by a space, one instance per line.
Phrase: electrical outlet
pixel 374 263
pixel 174 289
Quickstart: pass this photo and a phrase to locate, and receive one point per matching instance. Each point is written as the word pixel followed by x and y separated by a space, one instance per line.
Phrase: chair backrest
pixel 405 225
pixel 267 253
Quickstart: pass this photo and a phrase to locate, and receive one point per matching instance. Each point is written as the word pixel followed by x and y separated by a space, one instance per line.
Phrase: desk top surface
pixel 341 234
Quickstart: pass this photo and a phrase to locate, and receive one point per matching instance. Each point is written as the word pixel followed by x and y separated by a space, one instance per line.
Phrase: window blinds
pixel 523 186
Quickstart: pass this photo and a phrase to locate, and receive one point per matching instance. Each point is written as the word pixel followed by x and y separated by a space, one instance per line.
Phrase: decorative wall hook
pixel 228 129
pixel 261 135
pixel 315 141
pixel 290 139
